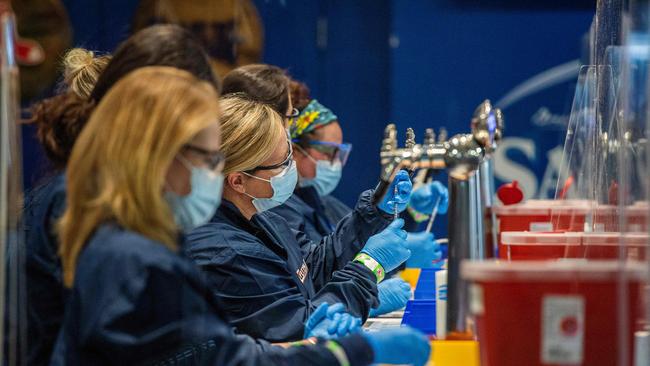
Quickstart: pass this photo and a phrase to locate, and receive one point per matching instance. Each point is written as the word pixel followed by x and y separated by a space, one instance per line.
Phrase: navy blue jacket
pixel 134 301
pixel 312 214
pixel 317 216
pixel 270 277
pixel 45 291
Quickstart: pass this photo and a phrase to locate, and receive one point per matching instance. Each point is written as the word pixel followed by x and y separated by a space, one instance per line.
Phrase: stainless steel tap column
pixel 487 129
pixel 464 155
pixel 487 190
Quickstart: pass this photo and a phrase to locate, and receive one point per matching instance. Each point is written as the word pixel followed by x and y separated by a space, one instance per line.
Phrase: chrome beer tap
pixel 462 156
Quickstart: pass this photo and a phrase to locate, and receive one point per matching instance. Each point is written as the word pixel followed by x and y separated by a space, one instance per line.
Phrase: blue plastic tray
pixel 421 314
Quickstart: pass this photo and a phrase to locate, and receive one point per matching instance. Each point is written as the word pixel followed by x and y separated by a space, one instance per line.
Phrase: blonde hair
pixel 249 132
pixel 118 165
pixel 81 69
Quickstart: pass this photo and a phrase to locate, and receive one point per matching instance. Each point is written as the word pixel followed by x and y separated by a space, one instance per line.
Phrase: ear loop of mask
pixel 255 177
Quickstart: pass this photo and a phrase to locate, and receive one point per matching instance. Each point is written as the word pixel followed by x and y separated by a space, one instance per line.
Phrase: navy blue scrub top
pixel 270 277
pixel 45 291
pixel 134 301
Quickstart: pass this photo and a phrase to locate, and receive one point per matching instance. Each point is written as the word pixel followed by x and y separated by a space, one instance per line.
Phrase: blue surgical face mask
pixel 328 175
pixel 198 207
pixel 283 185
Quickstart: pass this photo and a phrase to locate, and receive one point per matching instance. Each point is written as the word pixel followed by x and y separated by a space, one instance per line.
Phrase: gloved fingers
pixel 443 206
pixel 438 189
pixel 424 349
pixel 406 295
pixel 419 237
pixel 403 191
pixel 333 324
pixel 344 325
pixel 403 183
pixel 441 191
pixel 403 235
pixel 319 314
pixel 336 308
pixel 402 175
pixel 396 224
pixel 355 325
pixel 405 286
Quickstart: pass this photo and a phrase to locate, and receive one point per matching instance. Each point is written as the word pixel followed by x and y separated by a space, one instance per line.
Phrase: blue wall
pixel 418 63
pixel 429 64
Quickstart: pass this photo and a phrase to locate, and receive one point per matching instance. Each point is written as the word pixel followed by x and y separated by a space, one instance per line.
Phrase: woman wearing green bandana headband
pixel 320 155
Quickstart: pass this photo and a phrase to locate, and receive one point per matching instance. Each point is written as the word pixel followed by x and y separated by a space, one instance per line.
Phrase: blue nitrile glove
pixel 394 293
pixel 389 247
pixel 424 250
pixel 343 324
pixel 404 188
pixel 331 321
pixel 424 198
pixel 400 346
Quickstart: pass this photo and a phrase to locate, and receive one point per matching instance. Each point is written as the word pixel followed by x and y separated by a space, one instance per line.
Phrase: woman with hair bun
pixel 59 121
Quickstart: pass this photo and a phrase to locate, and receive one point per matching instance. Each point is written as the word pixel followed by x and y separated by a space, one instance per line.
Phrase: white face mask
pixel 283 185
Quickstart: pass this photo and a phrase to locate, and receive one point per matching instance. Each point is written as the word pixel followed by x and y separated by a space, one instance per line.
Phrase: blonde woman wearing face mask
pixel 135 299
pixel 269 276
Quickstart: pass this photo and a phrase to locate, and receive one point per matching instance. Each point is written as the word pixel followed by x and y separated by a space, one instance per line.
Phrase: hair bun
pixel 81 69
pixel 299 94
pixel 59 121
pixel 76 60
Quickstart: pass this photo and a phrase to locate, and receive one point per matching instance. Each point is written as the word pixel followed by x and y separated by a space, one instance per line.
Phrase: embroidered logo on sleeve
pixel 303 271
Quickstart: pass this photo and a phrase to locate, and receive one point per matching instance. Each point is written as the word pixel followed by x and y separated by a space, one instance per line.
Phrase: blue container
pixel 444 248
pixel 426 286
pixel 421 315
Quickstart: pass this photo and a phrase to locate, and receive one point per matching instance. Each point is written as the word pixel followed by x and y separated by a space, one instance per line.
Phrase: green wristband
pixel 338 352
pixel 416 215
pixel 372 265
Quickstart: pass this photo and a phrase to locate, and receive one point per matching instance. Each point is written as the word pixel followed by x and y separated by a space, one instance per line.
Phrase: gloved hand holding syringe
pixel 398 195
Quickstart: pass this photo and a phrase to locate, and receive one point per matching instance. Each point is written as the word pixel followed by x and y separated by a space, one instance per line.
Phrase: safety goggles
pixel 215 160
pixel 332 150
pixel 294 113
pixel 283 165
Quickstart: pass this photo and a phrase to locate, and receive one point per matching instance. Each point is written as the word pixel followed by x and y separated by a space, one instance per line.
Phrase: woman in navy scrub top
pixel 132 190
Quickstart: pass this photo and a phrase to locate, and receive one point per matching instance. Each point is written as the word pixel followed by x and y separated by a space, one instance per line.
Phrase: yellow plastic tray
pixel 454 353
pixel 411 275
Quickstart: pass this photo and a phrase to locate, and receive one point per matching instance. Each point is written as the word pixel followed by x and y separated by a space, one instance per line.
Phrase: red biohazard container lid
pixel 552 271
pixel 510 193
pixel 614 239
pixel 521 210
pixel 534 238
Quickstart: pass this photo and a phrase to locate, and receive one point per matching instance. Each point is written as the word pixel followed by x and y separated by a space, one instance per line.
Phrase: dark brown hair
pixel 158 45
pixel 60 119
pixel 58 124
pixel 263 83
pixel 299 94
